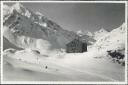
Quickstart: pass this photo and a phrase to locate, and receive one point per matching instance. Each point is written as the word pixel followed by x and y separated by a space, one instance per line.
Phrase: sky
pixel 82 16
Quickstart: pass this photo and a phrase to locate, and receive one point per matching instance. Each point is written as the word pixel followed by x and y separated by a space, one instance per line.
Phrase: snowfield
pixel 34 50
pixel 90 66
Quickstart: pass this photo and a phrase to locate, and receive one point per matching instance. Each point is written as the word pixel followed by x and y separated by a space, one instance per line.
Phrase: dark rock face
pixel 117 57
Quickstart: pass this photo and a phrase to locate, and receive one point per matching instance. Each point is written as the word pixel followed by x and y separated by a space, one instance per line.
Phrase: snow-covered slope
pixel 100 33
pixel 69 67
pixel 114 40
pixel 27 29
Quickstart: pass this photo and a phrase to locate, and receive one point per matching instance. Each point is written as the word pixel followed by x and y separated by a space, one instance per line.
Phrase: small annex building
pixel 76 46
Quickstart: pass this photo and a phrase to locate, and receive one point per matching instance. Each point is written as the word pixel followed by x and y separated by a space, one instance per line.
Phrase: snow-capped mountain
pixel 27 29
pixel 98 34
pixel 89 34
pixel 81 33
pixel 114 40
pixel 86 36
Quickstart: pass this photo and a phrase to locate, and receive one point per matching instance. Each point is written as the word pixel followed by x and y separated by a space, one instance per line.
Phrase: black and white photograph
pixel 64 0
pixel 64 42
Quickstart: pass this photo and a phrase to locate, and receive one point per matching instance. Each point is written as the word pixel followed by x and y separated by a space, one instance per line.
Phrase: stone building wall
pixel 75 46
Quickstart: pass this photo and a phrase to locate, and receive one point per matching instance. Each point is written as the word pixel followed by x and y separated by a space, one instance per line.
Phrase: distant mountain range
pixel 27 29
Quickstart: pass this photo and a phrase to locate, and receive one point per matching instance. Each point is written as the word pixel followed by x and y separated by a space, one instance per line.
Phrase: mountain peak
pixel 18 7
pixel 98 34
pixel 121 28
pixel 6 9
pixel 38 13
pixel 89 33
pixel 80 33
pixel 102 30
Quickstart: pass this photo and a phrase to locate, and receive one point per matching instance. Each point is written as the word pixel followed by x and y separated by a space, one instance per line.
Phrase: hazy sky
pixel 84 16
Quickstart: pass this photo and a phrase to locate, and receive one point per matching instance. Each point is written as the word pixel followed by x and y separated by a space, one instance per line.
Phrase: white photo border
pixel 65 82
